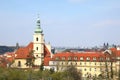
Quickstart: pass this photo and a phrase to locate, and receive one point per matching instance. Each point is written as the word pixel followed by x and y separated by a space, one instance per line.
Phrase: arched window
pixel 37 39
pixel 37 48
pixel 19 63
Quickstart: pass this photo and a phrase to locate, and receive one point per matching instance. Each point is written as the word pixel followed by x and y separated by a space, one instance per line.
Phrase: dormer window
pixel 107 58
pixel 101 58
pixel 69 58
pixel 81 58
pixel 94 58
pixel 88 58
pixel 63 58
pixel 57 58
pixel 75 58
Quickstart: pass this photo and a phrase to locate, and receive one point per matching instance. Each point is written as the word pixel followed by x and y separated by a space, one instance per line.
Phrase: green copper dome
pixel 38 28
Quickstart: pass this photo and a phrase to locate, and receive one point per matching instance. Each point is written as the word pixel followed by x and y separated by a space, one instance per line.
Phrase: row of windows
pixel 75 63
pixel 82 58
pixel 19 64
pixel 92 69
pixel 89 75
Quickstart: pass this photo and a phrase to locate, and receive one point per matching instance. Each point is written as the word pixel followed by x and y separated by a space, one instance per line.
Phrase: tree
pixel 109 59
pixel 41 67
pixel 12 74
pixel 72 73
pixel 29 62
pixel 30 59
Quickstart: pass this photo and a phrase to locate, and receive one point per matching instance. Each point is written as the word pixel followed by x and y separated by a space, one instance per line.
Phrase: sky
pixel 69 23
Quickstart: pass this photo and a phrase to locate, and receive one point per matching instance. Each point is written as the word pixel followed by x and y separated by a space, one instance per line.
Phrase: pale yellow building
pixel 91 64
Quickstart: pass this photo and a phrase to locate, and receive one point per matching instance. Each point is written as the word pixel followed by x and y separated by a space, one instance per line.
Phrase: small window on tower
pixel 37 39
pixel 36 55
pixel 37 48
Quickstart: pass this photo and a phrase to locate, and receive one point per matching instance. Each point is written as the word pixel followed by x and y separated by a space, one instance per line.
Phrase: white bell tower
pixel 38 44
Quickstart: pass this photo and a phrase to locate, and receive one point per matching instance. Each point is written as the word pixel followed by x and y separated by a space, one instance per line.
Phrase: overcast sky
pixel 64 22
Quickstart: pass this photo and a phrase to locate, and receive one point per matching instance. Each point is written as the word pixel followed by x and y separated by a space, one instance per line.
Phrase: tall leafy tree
pixel 30 59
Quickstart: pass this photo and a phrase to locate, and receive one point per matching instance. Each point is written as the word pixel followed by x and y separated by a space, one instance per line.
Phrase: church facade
pixel 37 51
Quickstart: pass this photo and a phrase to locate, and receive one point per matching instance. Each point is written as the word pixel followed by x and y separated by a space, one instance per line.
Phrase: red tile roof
pixel 46 56
pixel 46 51
pixel 23 53
pixel 46 61
pixel 118 53
pixel 115 52
pixel 85 55
pixel 10 56
pixel 3 62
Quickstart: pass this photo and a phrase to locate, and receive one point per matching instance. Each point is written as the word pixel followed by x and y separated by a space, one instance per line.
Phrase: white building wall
pixel 22 62
pixel 87 68
pixel 38 47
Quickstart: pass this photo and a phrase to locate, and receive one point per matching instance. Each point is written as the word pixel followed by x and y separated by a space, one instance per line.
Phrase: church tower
pixel 38 44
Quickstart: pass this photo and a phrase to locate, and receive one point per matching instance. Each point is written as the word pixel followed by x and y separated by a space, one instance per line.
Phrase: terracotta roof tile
pixel 46 61
pixel 23 53
pixel 91 55
pixel 46 56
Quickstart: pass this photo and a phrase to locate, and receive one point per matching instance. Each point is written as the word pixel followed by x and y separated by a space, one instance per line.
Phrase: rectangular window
pixel 80 63
pixel 95 63
pixel 76 63
pixel 95 69
pixel 90 69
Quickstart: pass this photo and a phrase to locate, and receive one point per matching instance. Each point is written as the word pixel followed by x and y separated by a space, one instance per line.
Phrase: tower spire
pixel 38 28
